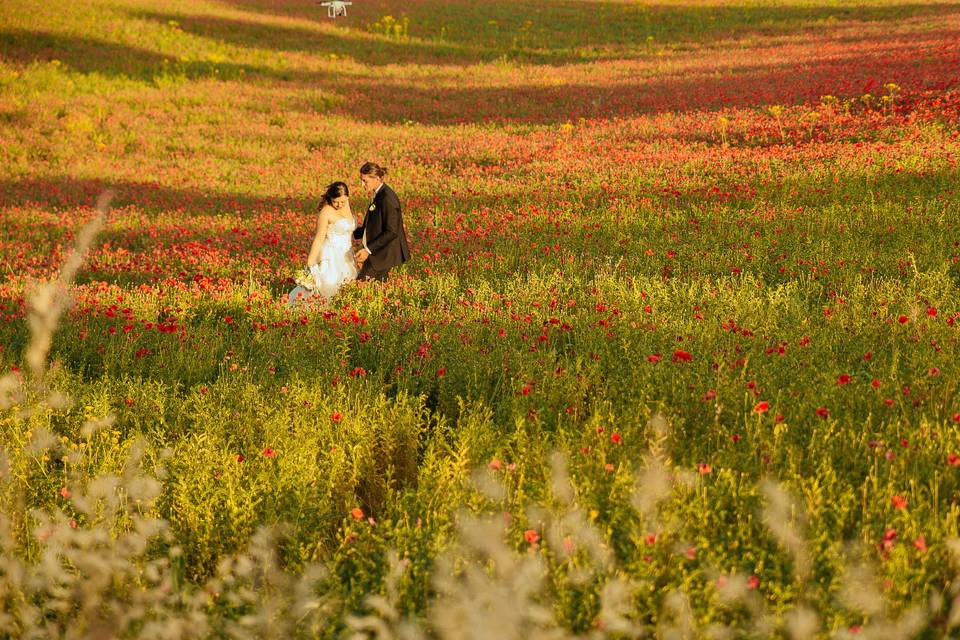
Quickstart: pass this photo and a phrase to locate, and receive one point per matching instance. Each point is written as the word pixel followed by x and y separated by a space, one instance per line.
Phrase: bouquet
pixel 304 278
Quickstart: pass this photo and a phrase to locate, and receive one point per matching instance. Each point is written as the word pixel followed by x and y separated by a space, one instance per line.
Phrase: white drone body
pixel 336 8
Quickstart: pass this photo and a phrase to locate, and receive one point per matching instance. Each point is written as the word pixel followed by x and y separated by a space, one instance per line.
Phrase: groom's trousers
pixel 367 272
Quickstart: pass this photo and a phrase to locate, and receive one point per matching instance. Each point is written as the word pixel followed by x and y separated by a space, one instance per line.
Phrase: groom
pixel 381 231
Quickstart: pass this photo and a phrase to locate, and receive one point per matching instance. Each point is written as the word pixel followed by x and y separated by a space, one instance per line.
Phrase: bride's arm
pixel 323 220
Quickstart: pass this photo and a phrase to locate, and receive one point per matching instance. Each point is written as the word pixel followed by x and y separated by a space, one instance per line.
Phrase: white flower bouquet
pixel 304 278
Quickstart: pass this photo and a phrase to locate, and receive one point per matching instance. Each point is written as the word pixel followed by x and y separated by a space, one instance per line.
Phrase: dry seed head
pixel 859 592
pixel 615 607
pixel 488 485
pixel 802 623
pixel 560 478
pixel 780 516
pixel 10 391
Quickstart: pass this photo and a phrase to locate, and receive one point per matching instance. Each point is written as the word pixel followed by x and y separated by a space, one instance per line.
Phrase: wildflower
pixel 615 438
pixel 753 582
pixel 357 513
pixel 64 492
pixel 921 544
pixel 495 464
pixel 704 468
pixel 531 536
pixel 953 460
pixel 654 357
pixel 843 379
pixel 735 438
pixel 336 416
pixel 875 383
pixel 682 356
pixel 269 453
pixel 761 407
pixel 888 537
pixel 239 457
pixel 608 467
pixel 823 412
pixel 442 371
pixel 899 502
pixel 903 319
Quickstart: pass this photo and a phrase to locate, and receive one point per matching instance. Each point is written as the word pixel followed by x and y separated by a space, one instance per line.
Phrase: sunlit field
pixel 676 354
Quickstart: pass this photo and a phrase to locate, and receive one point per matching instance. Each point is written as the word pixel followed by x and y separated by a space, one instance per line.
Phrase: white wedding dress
pixel 336 264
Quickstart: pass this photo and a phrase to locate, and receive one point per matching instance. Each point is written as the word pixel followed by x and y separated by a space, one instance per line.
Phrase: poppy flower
pixel 761 407
pixel 531 536
pixel 357 513
pixel 269 453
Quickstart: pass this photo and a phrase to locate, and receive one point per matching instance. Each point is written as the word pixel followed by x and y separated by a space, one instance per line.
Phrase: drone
pixel 336 8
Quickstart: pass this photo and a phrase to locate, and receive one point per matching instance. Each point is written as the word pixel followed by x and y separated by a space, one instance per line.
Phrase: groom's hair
pixel 334 191
pixel 372 168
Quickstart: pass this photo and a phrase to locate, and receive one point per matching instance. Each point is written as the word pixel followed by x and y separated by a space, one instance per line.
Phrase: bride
pixel 331 259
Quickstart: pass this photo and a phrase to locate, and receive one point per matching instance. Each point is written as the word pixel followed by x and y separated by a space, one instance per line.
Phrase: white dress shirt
pixel 375 191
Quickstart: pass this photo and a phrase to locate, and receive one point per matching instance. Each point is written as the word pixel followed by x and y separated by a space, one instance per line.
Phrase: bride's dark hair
pixel 334 191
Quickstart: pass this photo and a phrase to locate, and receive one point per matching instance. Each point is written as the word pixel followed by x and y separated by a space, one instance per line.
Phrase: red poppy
pixel 357 513
pixel 269 453
pixel 843 379
pixel 615 438
pixel 761 407
pixel 531 536
pixel 898 502
pixel 682 356
pixel 823 412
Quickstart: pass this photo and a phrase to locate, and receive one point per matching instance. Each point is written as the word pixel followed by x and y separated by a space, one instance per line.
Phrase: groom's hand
pixel 362 256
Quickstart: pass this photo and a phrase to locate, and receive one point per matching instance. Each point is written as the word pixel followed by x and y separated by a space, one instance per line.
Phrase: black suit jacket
pixel 386 237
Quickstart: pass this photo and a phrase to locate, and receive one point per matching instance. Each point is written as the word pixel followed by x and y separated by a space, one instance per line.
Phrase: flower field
pixel 676 355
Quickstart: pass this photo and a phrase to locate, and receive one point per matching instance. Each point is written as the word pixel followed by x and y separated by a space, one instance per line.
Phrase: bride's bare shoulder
pixel 326 213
